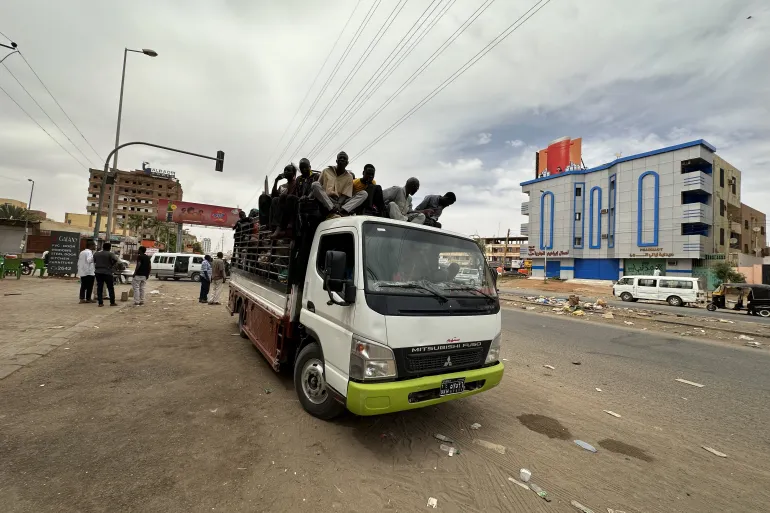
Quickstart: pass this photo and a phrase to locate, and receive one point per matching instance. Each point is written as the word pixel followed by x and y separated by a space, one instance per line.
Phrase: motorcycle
pixel 27 267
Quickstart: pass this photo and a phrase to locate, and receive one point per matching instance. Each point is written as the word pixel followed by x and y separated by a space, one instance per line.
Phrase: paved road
pixel 639 370
pixel 650 305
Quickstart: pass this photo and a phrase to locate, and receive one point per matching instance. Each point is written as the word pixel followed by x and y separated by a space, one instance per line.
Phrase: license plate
pixel 452 386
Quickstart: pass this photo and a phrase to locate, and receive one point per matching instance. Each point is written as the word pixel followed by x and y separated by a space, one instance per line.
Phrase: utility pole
pixel 505 250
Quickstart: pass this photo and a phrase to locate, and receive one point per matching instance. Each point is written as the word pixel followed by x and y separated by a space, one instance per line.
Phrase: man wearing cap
pixel 334 190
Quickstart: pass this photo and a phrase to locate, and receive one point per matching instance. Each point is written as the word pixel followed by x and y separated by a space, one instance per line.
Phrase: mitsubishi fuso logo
pixel 448 362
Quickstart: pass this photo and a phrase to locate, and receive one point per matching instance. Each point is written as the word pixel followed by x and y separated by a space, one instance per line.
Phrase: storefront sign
pixel 532 252
pixel 651 255
pixel 63 255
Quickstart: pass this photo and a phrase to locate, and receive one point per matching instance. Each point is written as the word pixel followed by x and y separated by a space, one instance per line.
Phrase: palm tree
pixel 135 223
pixel 14 213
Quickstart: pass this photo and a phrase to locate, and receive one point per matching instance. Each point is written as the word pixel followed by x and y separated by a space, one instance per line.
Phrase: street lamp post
pixel 26 218
pixel 545 251
pixel 145 51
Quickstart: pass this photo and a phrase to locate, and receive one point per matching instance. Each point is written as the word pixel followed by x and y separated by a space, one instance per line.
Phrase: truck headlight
pixel 371 361
pixel 494 350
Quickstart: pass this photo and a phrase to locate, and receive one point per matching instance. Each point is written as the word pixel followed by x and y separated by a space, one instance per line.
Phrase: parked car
pixel 673 290
pixel 469 276
pixel 177 266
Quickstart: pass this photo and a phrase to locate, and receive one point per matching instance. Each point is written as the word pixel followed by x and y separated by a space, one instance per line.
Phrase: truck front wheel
pixel 310 384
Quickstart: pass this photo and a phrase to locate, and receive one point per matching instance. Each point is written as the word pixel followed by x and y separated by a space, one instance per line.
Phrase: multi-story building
pixel 726 207
pixel 628 216
pixel 206 245
pixel 752 238
pixel 137 193
pixel 505 251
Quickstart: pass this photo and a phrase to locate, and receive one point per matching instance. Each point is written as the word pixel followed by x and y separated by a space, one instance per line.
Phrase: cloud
pixel 483 138
pixel 213 86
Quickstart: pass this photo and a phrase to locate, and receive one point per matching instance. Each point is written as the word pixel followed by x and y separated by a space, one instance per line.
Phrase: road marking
pixel 689 382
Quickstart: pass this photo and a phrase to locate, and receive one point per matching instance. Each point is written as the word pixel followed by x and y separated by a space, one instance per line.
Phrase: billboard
pixel 196 213
pixel 63 255
pixel 560 156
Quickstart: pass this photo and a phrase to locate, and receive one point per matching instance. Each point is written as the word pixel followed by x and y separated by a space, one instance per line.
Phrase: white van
pixel 675 291
pixel 177 266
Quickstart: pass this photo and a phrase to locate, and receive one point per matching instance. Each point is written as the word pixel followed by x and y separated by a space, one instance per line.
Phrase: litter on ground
pixel 745 337
pixel 518 483
pixel 500 449
pixel 443 438
pixel 608 412
pixel 598 389
pixel 582 508
pixel 686 382
pixel 715 452
pixel 540 492
pixel 628 323
pixel 475 425
pixel 549 367
pixel 432 503
pixel 586 446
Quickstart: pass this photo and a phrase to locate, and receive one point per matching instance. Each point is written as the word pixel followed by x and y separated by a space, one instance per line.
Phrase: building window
pixel 595 218
pixel 611 220
pixel 546 210
pixel 746 248
pixel 578 242
pixel 577 216
pixel 762 230
pixel 647 209
pixel 578 191
pixel 721 178
pixel 721 236
pixel 746 225
pixel 732 184
pixel 722 207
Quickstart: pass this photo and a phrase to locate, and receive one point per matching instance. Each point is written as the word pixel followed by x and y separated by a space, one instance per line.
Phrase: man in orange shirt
pixel 334 189
pixel 374 204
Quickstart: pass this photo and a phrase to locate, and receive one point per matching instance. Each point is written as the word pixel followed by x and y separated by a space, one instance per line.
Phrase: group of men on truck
pixel 338 193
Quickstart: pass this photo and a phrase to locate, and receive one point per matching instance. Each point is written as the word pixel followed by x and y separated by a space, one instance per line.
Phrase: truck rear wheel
pixel 310 384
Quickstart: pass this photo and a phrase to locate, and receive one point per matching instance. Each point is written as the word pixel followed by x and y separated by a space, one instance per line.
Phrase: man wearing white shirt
pixel 86 271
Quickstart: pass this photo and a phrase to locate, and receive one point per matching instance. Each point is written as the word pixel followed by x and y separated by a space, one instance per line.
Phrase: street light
pixel 150 53
pixel 26 218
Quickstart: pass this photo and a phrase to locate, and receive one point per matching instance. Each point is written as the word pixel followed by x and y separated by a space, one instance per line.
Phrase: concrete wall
pixel 752 273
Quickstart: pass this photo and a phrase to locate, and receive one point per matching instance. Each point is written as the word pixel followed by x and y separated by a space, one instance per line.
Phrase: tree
pixel 725 273
pixel 197 247
pixel 135 222
pixel 14 213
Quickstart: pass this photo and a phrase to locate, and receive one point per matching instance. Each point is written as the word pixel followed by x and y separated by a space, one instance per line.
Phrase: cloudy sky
pixel 231 74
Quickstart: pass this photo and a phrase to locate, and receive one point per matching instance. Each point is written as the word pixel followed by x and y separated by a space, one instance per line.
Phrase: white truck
pixel 363 311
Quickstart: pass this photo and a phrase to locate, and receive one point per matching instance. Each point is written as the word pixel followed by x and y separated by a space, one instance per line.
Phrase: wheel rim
pixel 764 313
pixel 625 296
pixel 313 382
pixel 676 301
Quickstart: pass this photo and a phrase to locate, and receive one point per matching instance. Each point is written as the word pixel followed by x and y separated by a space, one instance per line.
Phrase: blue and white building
pixel 624 217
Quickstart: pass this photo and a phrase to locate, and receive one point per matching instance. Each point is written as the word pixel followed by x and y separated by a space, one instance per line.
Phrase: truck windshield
pixel 397 258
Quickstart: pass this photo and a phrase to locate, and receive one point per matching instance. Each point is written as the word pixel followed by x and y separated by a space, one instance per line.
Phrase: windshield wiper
pixel 422 285
pixel 473 289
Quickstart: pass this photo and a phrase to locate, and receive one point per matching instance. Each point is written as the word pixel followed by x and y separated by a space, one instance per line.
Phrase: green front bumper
pixel 378 398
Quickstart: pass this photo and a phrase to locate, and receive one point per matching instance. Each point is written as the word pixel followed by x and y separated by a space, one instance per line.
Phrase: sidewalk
pixel 39 315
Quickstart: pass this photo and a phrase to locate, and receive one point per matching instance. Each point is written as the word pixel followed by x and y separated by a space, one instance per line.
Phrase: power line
pixel 388 67
pixel 467 23
pixel 46 113
pixel 59 105
pixel 41 127
pixel 357 67
pixel 465 67
pixel 383 66
pixel 335 70
pixel 312 85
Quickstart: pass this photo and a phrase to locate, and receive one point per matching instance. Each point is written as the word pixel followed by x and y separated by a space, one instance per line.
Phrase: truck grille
pixel 445 361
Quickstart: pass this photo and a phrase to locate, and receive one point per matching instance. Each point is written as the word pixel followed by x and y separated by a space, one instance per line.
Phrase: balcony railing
pixel 524 229
pixel 525 208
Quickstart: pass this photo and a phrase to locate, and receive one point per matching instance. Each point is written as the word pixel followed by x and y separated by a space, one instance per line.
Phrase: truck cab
pixel 376 325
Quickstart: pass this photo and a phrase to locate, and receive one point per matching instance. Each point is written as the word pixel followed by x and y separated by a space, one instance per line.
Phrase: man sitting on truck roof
pixel 433 205
pixel 306 178
pixel 374 204
pixel 334 190
pixel 398 202
pixel 283 207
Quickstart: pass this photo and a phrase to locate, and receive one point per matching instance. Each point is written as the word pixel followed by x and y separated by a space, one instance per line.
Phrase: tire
pixel 626 296
pixel 764 312
pixel 711 307
pixel 472 283
pixel 675 301
pixel 310 384
pixel 196 277
pixel 242 322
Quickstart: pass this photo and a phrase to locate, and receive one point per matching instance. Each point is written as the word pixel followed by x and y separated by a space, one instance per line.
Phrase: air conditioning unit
pixel 605 211
pixel 604 236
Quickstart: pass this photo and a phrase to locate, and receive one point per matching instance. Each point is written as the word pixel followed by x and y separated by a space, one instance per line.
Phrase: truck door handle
pixel 311 306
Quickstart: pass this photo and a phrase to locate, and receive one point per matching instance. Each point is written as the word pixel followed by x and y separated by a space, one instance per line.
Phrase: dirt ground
pixel 170 410
pixel 556 286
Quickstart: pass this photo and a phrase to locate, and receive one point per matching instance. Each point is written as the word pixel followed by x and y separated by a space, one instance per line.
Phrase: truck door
pixel 331 324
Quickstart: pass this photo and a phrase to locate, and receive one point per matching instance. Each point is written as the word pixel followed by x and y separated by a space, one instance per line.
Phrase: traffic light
pixel 220 161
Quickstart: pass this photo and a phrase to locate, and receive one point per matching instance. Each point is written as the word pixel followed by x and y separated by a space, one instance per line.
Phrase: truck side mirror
pixel 334 271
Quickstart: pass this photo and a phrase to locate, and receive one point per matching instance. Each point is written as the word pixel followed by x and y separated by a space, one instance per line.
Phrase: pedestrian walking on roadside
pixel 218 276
pixel 86 272
pixel 141 275
pixel 205 279
pixel 656 272
pixel 104 265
